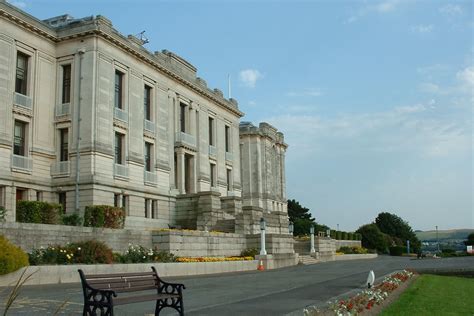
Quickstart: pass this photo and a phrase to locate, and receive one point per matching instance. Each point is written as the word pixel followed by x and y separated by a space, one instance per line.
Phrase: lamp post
pixel 291 228
pixel 337 227
pixel 263 225
pixel 311 231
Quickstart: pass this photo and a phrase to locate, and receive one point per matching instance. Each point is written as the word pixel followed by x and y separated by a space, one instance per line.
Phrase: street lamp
pixel 263 225
pixel 311 231
pixel 437 239
pixel 291 228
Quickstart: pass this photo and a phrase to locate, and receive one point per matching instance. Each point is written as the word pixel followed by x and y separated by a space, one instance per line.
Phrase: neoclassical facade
pixel 89 116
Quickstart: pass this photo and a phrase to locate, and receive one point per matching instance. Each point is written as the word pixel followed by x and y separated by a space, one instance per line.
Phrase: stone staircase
pixel 307 259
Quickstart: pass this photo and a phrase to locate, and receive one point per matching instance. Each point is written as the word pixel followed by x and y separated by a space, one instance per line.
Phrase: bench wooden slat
pixel 132 289
pixel 143 298
pixel 121 280
pixel 116 275
pixel 107 286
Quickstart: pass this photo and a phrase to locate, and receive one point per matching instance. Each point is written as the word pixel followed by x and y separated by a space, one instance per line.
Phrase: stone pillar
pixel 192 175
pixel 263 251
pixel 180 171
pixel 312 250
pixel 192 120
pixel 148 208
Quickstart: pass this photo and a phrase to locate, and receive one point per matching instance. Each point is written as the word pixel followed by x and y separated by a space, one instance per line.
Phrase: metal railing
pixel 63 109
pixel 22 162
pixel 60 168
pixel 212 150
pixel 149 126
pixel 151 177
pixel 121 114
pixel 229 156
pixel 120 170
pixel 23 100
pixel 186 139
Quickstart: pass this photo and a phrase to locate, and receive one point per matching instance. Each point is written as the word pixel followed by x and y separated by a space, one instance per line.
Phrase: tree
pixel 302 219
pixel 470 240
pixel 398 229
pixel 373 238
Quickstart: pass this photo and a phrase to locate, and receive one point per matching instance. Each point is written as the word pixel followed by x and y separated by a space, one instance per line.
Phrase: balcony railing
pixel 149 126
pixel 151 177
pixel 22 162
pixel 63 109
pixel 212 150
pixel 121 171
pixel 60 168
pixel 229 156
pixel 121 114
pixel 22 100
pixel 186 139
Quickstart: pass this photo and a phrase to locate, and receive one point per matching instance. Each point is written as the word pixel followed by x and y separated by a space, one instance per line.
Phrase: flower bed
pixel 365 300
pixel 212 259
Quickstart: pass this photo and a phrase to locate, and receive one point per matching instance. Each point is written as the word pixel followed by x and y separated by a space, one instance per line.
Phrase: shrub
pixel 51 255
pixel 338 235
pixel 249 252
pixel 333 234
pixel 344 235
pixel 12 257
pixel 38 212
pixel 104 216
pixel 3 214
pixel 353 250
pixel 91 252
pixel 140 254
pixel 396 250
pixel 72 220
pixel 373 238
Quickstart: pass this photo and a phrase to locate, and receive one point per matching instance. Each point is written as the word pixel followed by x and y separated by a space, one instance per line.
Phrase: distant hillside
pixel 451 234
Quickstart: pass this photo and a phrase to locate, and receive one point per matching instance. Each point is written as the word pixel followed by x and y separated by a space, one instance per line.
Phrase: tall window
pixel 227 138
pixel 147 207
pixel 117 198
pixel 119 148
pixel 229 179
pixel 213 175
pixel 66 88
pixel 148 156
pixel 118 90
pixel 154 209
pixel 147 102
pixel 211 131
pixel 19 144
pixel 62 200
pixel 64 144
pixel 182 117
pixel 21 73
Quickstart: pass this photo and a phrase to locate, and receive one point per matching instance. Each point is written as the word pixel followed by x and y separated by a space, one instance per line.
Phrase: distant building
pixel 147 134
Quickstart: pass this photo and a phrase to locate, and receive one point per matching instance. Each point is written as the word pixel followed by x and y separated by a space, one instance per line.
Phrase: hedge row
pixel 104 216
pixel 38 212
pixel 340 235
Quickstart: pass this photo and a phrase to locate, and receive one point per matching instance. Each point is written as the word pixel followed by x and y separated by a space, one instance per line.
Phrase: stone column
pixel 192 175
pixel 263 251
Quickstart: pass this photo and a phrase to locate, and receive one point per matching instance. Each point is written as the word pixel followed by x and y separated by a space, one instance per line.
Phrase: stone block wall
pixel 29 236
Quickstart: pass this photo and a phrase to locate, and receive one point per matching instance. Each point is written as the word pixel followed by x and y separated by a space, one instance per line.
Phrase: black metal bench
pixel 104 291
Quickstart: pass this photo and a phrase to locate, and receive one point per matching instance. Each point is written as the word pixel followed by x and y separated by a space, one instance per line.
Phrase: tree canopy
pixel 470 240
pixel 398 229
pixel 302 219
pixel 373 238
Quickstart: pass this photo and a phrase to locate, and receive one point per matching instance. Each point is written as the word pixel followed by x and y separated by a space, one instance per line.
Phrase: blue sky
pixel 375 97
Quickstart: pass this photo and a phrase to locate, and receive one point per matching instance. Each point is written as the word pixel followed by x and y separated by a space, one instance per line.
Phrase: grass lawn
pixel 435 295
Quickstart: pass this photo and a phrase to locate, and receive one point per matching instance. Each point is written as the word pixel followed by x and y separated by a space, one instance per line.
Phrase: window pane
pixel 118 148
pixel 227 138
pixel 118 89
pixel 148 153
pixel 66 92
pixel 211 131
pixel 64 144
pixel 183 117
pixel 147 102
pixel 21 73
pixel 19 139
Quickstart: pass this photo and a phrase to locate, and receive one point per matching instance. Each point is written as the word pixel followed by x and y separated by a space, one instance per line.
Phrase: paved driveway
pixel 275 292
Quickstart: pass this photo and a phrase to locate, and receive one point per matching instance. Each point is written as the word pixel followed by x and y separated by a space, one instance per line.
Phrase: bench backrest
pixel 122 282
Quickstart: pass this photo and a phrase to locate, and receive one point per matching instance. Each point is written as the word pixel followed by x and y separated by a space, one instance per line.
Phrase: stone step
pixel 306 259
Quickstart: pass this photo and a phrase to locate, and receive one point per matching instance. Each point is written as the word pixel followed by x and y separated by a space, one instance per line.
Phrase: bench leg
pixel 175 303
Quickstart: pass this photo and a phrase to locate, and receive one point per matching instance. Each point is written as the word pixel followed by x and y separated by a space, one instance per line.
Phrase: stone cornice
pixel 102 27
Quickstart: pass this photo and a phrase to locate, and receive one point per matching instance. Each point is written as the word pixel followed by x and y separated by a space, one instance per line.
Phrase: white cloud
pixel 407 109
pixel 19 4
pixel 380 8
pixel 451 9
pixel 308 92
pixel 429 87
pixel 422 29
pixel 249 77
pixel 466 76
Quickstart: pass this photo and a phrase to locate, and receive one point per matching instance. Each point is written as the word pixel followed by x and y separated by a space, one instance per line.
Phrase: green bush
pixel 396 250
pixel 338 235
pixel 249 252
pixel 353 250
pixel 333 234
pixel 38 212
pixel 373 238
pixel 350 236
pixel 344 235
pixel 104 216
pixel 72 220
pixel 51 255
pixel 140 254
pixel 91 252
pixel 12 257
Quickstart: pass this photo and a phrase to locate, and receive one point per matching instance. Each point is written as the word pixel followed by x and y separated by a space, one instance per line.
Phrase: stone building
pixel 89 116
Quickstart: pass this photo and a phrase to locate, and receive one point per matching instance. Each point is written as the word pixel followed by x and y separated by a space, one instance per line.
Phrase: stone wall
pixel 324 244
pixel 29 236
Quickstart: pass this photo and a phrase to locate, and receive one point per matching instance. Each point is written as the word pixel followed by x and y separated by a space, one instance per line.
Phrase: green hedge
pixel 396 250
pixel 38 212
pixel 12 257
pixel 104 216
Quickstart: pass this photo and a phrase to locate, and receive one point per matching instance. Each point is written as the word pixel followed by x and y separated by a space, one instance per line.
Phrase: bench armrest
pixel 170 288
